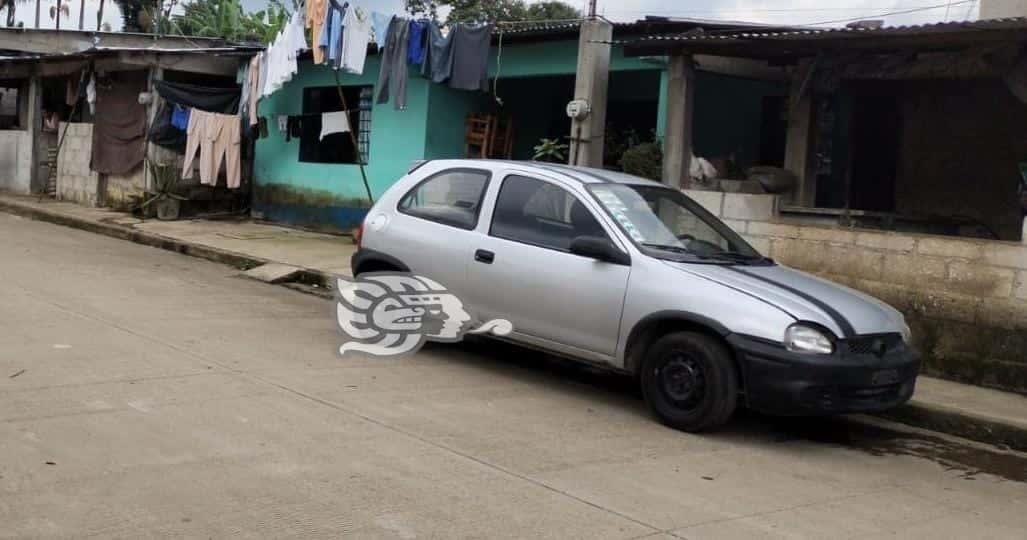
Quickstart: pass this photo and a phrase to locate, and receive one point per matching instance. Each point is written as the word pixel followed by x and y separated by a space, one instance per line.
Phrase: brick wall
pixel 966 299
pixel 75 181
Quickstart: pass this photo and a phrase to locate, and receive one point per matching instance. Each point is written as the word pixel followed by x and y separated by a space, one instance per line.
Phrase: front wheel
pixel 689 381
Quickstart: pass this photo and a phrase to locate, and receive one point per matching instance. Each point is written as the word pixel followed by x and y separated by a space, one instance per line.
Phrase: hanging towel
pixel 380 22
pixel 334 122
pixel 471 45
pixel 316 12
pixel 119 127
pixel 438 65
pixel 355 39
pixel 392 79
pixel 283 123
pixel 418 44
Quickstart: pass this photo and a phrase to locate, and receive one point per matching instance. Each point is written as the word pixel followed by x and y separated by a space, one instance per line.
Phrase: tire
pixel 689 381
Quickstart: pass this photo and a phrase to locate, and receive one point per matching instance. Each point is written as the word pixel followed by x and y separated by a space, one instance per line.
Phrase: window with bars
pixel 336 147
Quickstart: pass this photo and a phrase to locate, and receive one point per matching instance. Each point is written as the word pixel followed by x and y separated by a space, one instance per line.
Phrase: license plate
pixel 884 377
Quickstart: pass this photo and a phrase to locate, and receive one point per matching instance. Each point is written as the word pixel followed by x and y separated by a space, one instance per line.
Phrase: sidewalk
pixel 971 412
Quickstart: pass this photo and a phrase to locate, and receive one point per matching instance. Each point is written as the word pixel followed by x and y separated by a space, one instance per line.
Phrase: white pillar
pixel 997 9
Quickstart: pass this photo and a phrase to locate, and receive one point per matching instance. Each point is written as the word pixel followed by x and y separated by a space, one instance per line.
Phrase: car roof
pixel 585 175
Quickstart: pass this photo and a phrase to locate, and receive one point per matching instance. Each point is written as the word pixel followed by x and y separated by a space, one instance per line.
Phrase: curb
pixel 121 232
pixel 946 420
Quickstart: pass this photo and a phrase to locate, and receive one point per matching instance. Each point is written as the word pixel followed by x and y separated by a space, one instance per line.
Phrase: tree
pixel 226 19
pixel 552 11
pixel 494 10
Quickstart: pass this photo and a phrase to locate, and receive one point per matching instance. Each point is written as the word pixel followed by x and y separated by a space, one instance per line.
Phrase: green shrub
pixel 645 160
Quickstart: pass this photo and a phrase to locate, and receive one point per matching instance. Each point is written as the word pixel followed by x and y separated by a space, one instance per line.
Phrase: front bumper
pixel 778 381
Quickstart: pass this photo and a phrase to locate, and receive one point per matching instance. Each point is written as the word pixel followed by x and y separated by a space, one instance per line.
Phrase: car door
pixel 433 229
pixel 523 270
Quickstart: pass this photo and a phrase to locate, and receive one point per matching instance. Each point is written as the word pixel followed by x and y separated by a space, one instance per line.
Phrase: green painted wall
pixel 553 58
pixel 397 139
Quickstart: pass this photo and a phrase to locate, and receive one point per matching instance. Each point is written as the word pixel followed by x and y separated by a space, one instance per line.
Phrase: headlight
pixel 907 334
pixel 806 339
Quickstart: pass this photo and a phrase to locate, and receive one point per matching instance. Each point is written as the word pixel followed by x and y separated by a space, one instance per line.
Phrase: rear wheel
pixel 689 381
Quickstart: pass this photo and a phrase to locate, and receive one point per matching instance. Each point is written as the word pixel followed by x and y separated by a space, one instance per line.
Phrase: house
pixel 910 149
pixel 47 121
pixel 304 181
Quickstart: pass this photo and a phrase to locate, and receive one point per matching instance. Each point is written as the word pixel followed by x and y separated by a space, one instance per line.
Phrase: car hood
pixel 805 297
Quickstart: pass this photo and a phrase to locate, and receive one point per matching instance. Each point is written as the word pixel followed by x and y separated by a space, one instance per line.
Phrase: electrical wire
pixel 891 13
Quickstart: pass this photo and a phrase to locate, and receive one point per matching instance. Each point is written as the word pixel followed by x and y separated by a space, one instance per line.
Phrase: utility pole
pixel 81 13
pixel 588 125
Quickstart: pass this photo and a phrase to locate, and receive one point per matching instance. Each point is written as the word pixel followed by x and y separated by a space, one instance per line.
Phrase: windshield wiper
pixel 735 257
pixel 675 249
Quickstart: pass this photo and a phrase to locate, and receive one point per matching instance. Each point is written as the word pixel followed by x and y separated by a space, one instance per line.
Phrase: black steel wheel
pixel 689 381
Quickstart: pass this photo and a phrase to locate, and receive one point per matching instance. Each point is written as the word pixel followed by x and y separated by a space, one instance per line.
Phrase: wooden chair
pixel 478 136
pixel 501 145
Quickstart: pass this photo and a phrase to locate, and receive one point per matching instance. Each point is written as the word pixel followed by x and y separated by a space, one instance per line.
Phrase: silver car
pixel 631 275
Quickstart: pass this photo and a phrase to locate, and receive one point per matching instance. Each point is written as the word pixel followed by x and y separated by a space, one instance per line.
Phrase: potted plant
pixel 551 151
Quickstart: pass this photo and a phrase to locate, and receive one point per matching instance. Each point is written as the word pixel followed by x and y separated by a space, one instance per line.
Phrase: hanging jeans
pixel 217 137
pixel 393 75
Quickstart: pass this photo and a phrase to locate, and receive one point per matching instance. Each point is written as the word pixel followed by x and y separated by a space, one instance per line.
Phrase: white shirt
pixel 356 36
pixel 281 55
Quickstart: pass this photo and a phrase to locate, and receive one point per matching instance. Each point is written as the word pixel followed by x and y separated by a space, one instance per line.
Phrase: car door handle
pixel 483 256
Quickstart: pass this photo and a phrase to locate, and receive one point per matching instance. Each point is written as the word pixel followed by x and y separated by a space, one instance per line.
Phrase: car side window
pixel 450 197
pixel 534 212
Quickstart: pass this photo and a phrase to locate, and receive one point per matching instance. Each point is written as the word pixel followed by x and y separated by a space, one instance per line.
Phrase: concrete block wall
pixel 75 181
pixel 16 161
pixel 966 299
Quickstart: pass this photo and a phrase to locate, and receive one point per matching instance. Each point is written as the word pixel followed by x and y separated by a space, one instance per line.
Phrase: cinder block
pixel 915 270
pixel 947 306
pixel 737 225
pixel 886 241
pixel 944 247
pixel 822 258
pixel 825 234
pixel 777 230
pixel 750 207
pixel 1011 255
pixel 980 280
pixel 710 200
pixel 761 244
pixel 1009 314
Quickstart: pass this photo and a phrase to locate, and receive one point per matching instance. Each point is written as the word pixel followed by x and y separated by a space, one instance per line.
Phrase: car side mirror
pixel 600 249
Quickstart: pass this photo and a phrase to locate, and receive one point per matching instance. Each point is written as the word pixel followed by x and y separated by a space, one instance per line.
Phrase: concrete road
pixel 147 394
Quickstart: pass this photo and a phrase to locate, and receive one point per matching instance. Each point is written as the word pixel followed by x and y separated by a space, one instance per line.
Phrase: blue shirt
pixel 417 47
pixel 331 33
pixel 180 117
pixel 380 23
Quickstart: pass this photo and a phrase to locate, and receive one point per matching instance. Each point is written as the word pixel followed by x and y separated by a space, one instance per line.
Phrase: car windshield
pixel 669 225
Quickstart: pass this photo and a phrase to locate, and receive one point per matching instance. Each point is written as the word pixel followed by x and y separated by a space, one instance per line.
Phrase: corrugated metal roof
pixel 809 33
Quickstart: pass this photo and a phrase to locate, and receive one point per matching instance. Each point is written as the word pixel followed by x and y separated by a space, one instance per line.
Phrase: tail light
pixel 358 235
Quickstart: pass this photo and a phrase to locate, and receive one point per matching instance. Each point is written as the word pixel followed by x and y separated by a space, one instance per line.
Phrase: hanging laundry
pixel 253 87
pixel 471 45
pixel 119 127
pixel 91 93
pixel 380 23
pixel 217 139
pixel 280 57
pixel 316 12
pixel 393 75
pixel 180 117
pixel 334 122
pixel 242 78
pixel 355 39
pixel 332 31
pixel 283 123
pixel 205 98
pixel 295 127
pixel 438 65
pixel 417 46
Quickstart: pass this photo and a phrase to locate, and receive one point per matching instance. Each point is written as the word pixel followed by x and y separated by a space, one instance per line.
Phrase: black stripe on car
pixel 838 318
